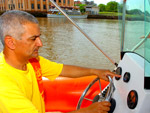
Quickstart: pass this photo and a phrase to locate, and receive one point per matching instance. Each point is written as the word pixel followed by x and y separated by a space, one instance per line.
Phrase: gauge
pixel 118 72
pixel 132 99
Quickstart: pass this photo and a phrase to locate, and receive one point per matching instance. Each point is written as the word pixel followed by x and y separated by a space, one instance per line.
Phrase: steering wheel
pixel 104 95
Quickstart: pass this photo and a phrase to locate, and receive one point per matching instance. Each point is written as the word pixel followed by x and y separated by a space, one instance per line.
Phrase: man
pixel 19 88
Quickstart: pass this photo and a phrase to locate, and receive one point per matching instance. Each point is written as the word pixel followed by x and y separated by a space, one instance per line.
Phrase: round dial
pixel 132 99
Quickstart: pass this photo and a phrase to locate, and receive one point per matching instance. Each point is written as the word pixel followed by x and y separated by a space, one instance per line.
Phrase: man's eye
pixel 33 38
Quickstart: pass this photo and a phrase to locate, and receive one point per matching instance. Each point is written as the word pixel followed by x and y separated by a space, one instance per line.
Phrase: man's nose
pixel 39 42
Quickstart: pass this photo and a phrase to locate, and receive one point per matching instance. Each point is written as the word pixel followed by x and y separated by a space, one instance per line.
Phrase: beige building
pixel 34 5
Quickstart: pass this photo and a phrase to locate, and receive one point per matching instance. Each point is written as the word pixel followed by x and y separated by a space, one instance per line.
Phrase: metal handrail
pixel 141 42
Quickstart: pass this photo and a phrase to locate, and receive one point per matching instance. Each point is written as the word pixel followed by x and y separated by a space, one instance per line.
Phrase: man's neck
pixel 15 61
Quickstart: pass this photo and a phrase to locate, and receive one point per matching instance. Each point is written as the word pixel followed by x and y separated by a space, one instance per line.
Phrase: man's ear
pixel 9 42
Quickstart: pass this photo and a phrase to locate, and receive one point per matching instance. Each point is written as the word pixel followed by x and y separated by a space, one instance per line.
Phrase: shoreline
pixel 44 14
pixel 100 16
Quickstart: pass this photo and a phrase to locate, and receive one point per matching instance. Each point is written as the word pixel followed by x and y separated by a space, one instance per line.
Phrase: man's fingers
pixel 103 112
pixel 106 103
pixel 113 75
pixel 104 106
pixel 117 75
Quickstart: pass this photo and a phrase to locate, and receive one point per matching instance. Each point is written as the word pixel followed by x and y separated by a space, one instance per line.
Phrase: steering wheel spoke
pixel 88 99
pixel 100 86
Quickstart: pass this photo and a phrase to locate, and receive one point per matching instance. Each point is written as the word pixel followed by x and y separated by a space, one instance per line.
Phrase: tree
pixel 82 8
pixel 112 6
pixel 135 12
pixel 147 13
pixel 101 7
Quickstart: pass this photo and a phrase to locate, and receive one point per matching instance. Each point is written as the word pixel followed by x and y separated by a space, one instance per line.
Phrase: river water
pixel 63 43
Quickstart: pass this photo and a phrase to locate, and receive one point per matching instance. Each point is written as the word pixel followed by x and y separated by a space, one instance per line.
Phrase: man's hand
pixel 97 107
pixel 103 74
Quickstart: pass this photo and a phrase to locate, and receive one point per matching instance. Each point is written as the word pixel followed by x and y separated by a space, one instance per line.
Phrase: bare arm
pixel 76 71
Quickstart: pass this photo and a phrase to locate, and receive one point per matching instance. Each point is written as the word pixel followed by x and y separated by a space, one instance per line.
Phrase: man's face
pixel 30 42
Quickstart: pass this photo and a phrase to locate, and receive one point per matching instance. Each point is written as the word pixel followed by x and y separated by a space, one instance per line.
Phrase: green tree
pixel 101 7
pixel 147 13
pixel 135 12
pixel 82 8
pixel 112 6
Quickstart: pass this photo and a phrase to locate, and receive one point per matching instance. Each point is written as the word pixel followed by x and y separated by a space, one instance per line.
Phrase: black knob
pixel 126 77
pixel 96 98
pixel 118 72
pixel 113 105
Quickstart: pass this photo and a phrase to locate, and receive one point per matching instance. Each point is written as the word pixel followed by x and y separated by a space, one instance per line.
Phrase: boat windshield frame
pixel 135 30
pixel 134 39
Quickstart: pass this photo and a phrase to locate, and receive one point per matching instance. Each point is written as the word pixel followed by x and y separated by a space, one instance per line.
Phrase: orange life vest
pixel 36 66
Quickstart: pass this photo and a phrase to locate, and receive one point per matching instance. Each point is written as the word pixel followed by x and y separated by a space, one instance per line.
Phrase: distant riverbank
pixel 44 14
pixel 101 15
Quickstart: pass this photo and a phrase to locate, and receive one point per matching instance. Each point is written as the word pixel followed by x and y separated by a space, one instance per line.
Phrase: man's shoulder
pixel 1 58
pixel 2 63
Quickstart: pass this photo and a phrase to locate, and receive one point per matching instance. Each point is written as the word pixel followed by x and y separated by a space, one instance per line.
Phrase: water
pixel 63 43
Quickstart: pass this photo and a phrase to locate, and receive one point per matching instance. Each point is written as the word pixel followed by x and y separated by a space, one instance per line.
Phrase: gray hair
pixel 11 23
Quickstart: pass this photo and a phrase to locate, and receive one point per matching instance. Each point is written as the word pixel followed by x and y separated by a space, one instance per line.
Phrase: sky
pixel 103 1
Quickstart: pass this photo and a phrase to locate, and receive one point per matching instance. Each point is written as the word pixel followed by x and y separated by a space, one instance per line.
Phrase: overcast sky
pixel 102 1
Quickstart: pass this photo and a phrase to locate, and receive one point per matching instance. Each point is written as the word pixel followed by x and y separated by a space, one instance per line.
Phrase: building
pixel 34 5
pixel 76 3
pixel 92 10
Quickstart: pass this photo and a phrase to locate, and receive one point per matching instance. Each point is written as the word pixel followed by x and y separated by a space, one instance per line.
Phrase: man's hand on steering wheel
pixel 97 107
